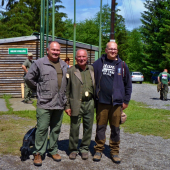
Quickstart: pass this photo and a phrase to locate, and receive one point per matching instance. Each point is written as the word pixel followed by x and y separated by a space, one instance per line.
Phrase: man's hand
pixel 68 111
pixel 124 106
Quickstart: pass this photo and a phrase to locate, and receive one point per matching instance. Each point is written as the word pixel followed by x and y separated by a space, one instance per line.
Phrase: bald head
pixel 111 50
pixel 109 43
pixel 165 70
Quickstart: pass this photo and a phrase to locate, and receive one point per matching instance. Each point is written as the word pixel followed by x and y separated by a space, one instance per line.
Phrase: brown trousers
pixel 104 114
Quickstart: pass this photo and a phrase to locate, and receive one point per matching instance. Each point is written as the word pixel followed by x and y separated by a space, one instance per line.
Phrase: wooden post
pixel 22 90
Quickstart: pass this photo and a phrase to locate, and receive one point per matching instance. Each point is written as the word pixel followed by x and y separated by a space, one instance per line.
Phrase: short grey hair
pixel 83 50
pixel 53 42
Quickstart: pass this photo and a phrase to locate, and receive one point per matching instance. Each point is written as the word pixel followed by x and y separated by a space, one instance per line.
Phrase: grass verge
pixel 147 121
pixel 143 120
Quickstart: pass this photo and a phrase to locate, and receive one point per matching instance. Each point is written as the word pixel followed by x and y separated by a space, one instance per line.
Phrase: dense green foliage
pixel 87 31
pixel 135 56
pixel 155 35
pixel 23 18
pixel 143 49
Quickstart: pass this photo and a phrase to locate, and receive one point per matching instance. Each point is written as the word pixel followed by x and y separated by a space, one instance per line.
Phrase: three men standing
pixel 113 92
pixel 48 76
pixel 80 104
pixel 164 78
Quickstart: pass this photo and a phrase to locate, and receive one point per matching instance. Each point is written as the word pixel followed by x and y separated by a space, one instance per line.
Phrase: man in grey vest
pixel 48 76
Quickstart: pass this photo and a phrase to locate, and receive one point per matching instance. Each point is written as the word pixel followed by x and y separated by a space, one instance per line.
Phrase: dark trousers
pixel 112 114
pixel 164 92
pixel 46 118
pixel 87 113
pixel 27 93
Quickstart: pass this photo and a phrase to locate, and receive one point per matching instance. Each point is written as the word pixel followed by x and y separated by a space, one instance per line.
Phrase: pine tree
pixel 24 19
pixel 155 33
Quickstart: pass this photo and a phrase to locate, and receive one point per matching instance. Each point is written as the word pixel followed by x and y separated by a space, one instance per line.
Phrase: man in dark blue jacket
pixel 113 92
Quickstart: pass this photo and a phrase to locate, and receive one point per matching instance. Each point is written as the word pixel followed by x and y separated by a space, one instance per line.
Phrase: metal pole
pixel 100 29
pixel 74 40
pixel 41 29
pixel 112 38
pixel 53 21
pixel 47 25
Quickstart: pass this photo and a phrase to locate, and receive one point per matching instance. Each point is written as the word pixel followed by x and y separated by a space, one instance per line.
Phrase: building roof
pixel 36 36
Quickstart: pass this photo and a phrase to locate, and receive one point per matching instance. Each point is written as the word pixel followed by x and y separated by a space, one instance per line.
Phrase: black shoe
pixel 164 99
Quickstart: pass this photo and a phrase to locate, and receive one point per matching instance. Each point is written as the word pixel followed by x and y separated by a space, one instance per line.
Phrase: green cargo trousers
pixel 105 113
pixel 27 93
pixel 164 92
pixel 87 113
pixel 46 118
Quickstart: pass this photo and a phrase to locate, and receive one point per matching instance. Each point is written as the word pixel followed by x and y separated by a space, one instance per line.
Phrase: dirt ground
pixel 136 151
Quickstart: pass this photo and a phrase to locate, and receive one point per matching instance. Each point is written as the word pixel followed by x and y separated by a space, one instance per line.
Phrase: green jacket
pixel 74 89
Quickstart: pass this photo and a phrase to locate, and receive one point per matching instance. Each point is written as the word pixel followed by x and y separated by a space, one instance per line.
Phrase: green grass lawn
pixel 140 119
pixel 147 121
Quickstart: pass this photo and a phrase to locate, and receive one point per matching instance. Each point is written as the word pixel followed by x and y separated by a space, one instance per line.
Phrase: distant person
pixel 163 78
pixel 80 104
pixel 113 93
pixel 67 60
pixel 27 91
pixel 48 76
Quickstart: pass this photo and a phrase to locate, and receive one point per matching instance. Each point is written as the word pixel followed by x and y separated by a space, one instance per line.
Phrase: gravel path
pixel 137 152
pixel 147 93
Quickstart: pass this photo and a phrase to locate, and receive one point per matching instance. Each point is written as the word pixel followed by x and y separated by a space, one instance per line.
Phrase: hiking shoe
pixel 56 157
pixel 84 155
pixel 73 155
pixel 28 102
pixel 115 159
pixel 97 156
pixel 37 159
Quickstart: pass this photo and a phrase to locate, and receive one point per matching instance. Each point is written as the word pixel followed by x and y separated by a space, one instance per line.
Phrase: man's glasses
pixel 112 49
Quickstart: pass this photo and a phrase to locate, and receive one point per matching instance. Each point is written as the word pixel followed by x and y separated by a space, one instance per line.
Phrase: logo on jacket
pixel 119 71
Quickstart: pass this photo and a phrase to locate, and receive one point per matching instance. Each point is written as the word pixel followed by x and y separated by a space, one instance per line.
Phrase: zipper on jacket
pixel 113 85
pixel 99 80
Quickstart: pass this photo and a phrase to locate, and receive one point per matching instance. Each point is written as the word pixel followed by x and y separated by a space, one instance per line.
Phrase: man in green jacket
pixel 163 78
pixel 80 103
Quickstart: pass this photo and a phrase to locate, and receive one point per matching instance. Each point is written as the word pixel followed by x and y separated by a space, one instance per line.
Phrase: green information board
pixel 17 50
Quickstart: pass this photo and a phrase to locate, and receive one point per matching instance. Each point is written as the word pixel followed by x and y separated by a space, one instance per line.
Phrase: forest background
pixel 144 49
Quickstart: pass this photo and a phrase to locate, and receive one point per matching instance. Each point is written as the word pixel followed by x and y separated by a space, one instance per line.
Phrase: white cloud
pixel 131 11
pixel 86 9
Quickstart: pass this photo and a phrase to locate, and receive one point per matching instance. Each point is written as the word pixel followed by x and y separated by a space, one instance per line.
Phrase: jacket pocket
pixel 44 87
pixel 118 96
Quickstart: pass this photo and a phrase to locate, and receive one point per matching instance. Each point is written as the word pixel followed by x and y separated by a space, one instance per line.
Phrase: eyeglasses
pixel 112 49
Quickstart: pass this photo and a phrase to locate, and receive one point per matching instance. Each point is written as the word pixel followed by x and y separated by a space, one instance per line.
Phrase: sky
pixel 86 9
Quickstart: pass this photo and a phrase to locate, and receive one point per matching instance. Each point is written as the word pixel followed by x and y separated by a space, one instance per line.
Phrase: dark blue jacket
pixel 122 85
